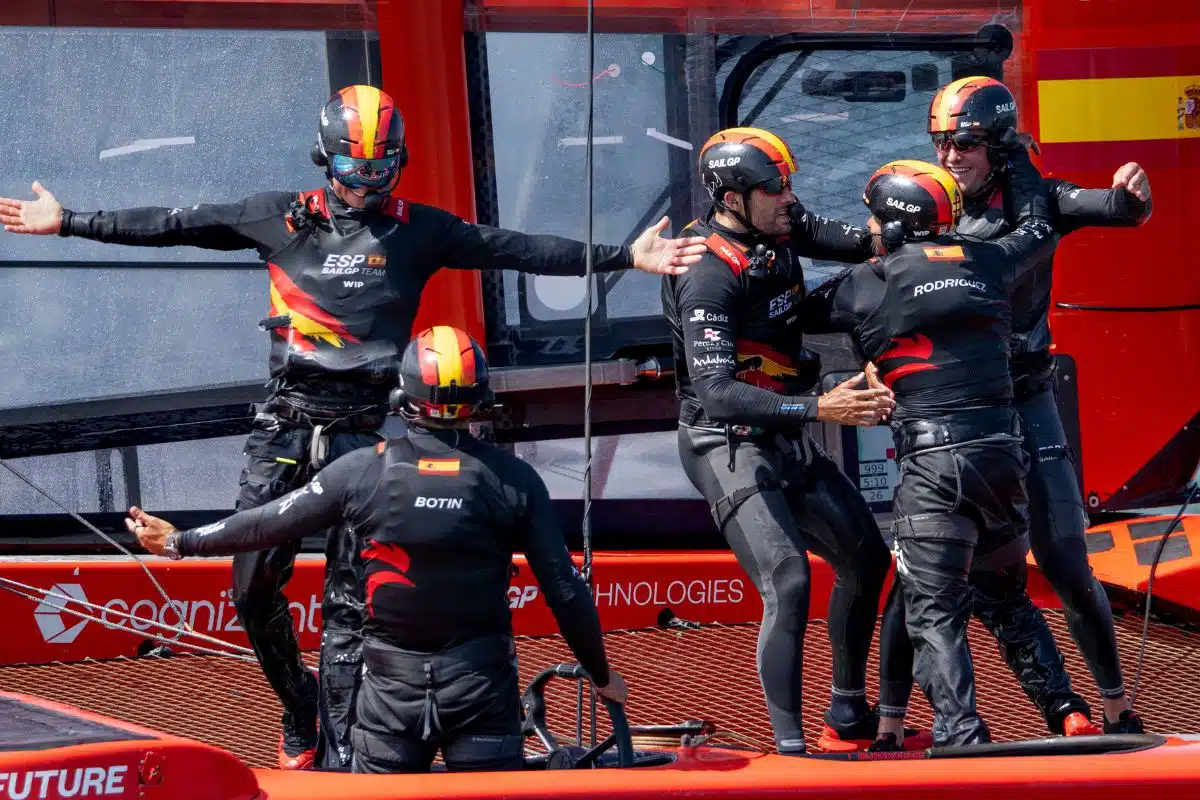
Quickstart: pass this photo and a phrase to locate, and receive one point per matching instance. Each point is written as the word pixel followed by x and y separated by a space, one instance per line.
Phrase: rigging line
pixel 587 348
pixel 93 529
pixel 115 626
pixel 1162 544
pixel 45 594
pixel 587 309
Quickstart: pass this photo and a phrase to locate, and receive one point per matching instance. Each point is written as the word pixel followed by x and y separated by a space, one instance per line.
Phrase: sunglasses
pixel 775 186
pixel 962 141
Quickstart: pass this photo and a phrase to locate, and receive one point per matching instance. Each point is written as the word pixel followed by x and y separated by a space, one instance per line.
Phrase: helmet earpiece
pixel 318 154
pixel 397 399
pixel 892 234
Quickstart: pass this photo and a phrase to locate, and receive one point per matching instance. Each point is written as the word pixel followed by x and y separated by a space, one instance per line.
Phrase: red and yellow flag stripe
pixel 372 119
pixel 1146 98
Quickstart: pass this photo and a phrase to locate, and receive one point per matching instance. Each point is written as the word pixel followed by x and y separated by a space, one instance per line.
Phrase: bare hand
pixel 656 255
pixel 873 382
pixel 151 532
pixel 1134 180
pixel 616 690
pixel 42 216
pixel 849 406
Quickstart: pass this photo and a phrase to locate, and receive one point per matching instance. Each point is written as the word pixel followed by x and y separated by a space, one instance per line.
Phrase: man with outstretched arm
pixel 347 265
pixel 747 389
pixel 438 515
pixel 933 313
pixel 966 118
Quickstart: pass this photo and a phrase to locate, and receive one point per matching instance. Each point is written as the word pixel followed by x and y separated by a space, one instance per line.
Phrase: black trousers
pixel 463 701
pixel 279 461
pixel 1057 525
pixel 782 498
pixel 960 521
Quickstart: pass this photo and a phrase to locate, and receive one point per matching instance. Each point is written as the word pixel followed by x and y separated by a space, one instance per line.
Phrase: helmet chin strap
pixel 374 201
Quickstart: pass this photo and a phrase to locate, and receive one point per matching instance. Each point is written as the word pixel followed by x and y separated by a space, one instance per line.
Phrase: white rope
pixel 90 527
pixel 43 594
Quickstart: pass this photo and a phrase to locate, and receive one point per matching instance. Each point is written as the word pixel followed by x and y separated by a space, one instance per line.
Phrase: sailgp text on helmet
pixel 913 201
pixel 975 111
pixel 360 142
pixel 741 160
pixel 443 377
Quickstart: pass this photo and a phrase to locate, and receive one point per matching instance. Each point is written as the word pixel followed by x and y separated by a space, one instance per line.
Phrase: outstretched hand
pixel 41 216
pixel 151 531
pixel 1134 180
pixel 656 255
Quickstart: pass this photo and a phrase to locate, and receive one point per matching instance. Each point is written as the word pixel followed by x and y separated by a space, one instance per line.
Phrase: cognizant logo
pixel 203 616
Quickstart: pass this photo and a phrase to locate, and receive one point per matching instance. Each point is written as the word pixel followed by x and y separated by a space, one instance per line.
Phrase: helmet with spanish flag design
pixel 913 201
pixel 360 140
pixel 443 376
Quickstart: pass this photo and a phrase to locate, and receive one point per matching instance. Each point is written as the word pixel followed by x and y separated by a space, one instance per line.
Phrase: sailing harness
pixel 760 264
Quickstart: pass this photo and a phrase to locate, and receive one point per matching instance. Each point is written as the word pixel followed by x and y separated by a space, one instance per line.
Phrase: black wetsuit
pixel 436 517
pixel 935 318
pixel 1057 515
pixel 747 387
pixel 350 282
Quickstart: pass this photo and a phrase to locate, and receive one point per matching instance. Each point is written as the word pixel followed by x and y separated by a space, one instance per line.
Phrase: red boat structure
pixel 128 676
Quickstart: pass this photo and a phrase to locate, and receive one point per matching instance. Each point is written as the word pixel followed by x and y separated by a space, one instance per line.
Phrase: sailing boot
pixel 861 734
pixel 1129 722
pixel 297 743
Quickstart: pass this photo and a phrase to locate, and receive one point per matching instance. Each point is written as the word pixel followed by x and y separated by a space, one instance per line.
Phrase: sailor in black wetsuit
pixel 965 118
pixel 933 314
pixel 747 388
pixel 436 517
pixel 347 266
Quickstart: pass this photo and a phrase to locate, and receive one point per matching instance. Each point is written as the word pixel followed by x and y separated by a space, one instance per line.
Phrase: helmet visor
pixel 368 173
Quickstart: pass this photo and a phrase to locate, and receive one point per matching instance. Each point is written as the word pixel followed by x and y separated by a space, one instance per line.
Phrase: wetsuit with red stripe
pixel 747 387
pixel 935 317
pixel 1057 516
pixel 438 515
pixel 348 282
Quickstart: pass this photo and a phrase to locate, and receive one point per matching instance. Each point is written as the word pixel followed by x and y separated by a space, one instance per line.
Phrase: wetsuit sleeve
pixel 566 592
pixel 842 303
pixel 708 315
pixel 828 239
pixel 1075 207
pixel 257 222
pixel 307 511
pixel 1034 237
pixel 462 245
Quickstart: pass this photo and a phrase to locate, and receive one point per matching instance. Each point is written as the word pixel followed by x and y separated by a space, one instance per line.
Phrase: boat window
pixel 844 110
pixel 845 113
pixel 118 118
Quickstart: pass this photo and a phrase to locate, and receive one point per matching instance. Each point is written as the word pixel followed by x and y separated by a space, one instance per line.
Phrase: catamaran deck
pixel 673 675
